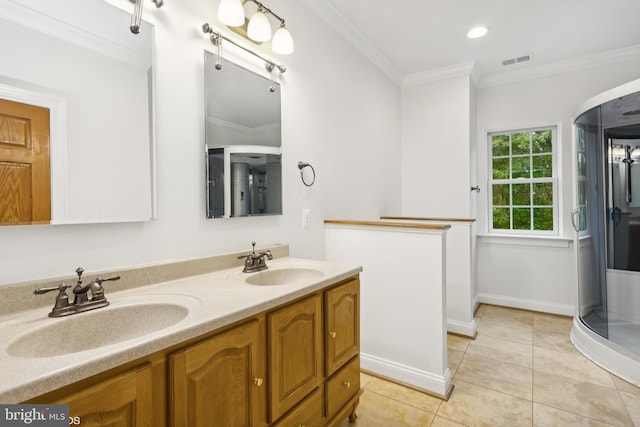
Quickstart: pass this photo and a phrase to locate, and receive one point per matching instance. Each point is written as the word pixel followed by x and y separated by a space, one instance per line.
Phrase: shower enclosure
pixel 607 223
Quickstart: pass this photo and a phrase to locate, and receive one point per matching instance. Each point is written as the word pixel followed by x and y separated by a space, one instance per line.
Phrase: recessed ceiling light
pixel 477 32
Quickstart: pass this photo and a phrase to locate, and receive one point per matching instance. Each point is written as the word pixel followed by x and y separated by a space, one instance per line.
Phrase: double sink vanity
pixel 273 347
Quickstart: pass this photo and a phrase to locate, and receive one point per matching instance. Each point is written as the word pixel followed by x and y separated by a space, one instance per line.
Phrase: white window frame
pixel 555 150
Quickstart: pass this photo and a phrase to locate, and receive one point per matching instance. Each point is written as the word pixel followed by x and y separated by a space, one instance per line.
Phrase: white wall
pixel 436 149
pixel 402 308
pixel 521 272
pixel 339 113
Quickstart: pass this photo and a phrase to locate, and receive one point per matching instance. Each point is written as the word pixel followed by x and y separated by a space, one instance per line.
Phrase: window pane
pixel 521 219
pixel 582 192
pixel 521 167
pixel 543 219
pixel 501 195
pixel 542 194
pixel 522 183
pixel 582 165
pixel 501 219
pixel 543 166
pixel 581 139
pixel 520 143
pixel 541 141
pixel 501 168
pixel 521 194
pixel 500 145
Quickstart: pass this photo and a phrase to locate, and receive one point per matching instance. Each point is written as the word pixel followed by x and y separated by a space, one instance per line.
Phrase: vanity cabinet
pixel 342 320
pixel 124 400
pixel 295 353
pixel 342 350
pixel 220 380
pixel 296 364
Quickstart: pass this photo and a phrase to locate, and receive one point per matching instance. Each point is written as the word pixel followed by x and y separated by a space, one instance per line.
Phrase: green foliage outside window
pixel 522 180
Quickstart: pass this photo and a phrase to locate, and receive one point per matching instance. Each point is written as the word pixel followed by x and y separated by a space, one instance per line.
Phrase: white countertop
pixel 211 300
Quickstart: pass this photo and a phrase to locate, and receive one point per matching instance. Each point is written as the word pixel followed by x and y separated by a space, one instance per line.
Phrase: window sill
pixel 542 241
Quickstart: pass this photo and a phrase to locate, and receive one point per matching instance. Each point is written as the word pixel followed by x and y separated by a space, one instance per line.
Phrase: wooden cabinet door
pixel 295 351
pixel 342 317
pixel 25 189
pixel 122 401
pixel 220 381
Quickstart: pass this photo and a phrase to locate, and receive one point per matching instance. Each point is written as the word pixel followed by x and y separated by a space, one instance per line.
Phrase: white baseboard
pixel 462 328
pixel 431 382
pixel 527 304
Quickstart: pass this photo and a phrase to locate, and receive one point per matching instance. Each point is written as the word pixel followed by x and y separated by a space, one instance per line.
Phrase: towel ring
pixel 301 166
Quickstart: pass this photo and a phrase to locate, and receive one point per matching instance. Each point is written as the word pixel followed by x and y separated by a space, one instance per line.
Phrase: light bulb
pixel 477 32
pixel 259 28
pixel 231 12
pixel 282 42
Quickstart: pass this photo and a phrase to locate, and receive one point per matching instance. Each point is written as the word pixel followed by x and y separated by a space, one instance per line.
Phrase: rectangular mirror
pixel 78 59
pixel 242 142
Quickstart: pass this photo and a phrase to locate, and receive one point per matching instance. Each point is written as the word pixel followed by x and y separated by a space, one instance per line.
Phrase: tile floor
pixel 521 370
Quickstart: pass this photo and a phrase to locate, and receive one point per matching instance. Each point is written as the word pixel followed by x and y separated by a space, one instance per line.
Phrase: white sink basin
pixel 97 328
pixel 283 276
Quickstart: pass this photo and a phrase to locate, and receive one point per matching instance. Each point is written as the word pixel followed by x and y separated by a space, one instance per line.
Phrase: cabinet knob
pixel 347 384
pixel 257 381
pixel 332 334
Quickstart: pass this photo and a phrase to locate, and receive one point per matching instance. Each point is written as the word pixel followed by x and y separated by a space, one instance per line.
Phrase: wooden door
pixel 342 319
pixel 123 401
pixel 295 350
pixel 220 381
pixel 25 182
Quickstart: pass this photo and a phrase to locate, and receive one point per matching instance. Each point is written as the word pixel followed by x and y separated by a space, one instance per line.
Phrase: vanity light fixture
pixel 231 13
pixel 218 38
pixel 258 27
pixel 136 17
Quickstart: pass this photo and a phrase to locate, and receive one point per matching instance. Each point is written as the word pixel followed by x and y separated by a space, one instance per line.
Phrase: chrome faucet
pixel 81 301
pixel 255 261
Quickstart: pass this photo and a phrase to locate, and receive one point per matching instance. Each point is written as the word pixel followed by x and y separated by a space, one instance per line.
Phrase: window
pixel 523 181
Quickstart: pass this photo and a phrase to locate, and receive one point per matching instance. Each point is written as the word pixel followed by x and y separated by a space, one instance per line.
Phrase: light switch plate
pixel 306 218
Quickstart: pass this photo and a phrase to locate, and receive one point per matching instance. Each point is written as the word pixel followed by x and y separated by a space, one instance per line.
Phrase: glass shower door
pixel 589 221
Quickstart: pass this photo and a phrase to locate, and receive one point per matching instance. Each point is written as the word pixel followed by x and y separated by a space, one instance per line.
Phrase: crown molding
pixel 456 70
pixel 342 26
pixel 573 64
pixel 61 27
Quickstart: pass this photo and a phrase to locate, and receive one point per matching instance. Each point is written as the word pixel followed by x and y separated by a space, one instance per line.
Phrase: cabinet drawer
pixel 342 386
pixel 307 414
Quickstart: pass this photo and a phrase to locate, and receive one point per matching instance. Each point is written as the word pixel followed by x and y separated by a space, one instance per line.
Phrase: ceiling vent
pixel 519 59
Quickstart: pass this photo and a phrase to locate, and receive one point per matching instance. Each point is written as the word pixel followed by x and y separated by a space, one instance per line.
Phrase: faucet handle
pixel 79 272
pixel 99 279
pixel 61 306
pixel 61 287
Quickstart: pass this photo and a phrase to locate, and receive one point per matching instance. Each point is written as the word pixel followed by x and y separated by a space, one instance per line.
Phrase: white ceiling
pixel 406 37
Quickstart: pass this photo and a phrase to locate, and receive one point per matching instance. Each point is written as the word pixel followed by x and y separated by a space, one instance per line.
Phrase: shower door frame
pixel 593 238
